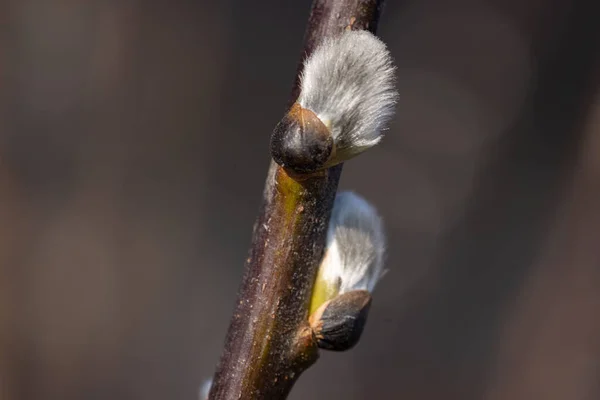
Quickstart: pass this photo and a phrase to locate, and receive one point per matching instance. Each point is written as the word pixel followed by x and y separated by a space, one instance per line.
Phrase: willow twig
pixel 269 342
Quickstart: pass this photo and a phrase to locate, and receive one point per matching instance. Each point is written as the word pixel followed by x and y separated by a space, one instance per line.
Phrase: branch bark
pixel 269 342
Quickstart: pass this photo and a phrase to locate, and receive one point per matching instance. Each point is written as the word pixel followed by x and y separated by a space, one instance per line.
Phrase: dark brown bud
pixel 339 323
pixel 301 142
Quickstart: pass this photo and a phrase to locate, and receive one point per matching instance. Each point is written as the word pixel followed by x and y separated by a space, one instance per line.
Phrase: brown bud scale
pixel 338 324
pixel 301 142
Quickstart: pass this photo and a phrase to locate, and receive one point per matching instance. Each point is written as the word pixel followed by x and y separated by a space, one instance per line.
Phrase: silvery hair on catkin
pixel 349 83
pixel 355 244
pixel 205 389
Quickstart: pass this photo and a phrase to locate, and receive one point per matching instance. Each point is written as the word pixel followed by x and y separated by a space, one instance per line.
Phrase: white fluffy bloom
pixel 205 389
pixel 355 247
pixel 349 83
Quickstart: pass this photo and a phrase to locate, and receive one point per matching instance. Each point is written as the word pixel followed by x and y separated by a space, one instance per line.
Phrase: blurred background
pixel 133 152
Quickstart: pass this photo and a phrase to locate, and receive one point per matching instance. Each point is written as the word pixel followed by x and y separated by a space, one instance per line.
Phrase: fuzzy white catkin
pixel 205 389
pixel 355 247
pixel 349 83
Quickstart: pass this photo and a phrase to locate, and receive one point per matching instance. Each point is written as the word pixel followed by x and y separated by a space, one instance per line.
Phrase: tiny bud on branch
pixel 347 97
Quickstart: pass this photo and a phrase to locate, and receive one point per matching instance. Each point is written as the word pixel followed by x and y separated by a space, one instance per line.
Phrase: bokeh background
pixel 133 152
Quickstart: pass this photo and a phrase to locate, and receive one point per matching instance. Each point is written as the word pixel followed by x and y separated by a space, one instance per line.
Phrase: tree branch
pixel 269 342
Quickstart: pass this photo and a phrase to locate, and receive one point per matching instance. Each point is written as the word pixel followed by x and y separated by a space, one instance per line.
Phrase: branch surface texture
pixel 271 339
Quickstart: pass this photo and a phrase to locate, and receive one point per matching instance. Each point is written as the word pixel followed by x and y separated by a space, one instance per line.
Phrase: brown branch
pixel 269 342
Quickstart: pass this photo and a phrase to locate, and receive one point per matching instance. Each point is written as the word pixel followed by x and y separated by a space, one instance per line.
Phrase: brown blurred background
pixel 133 151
